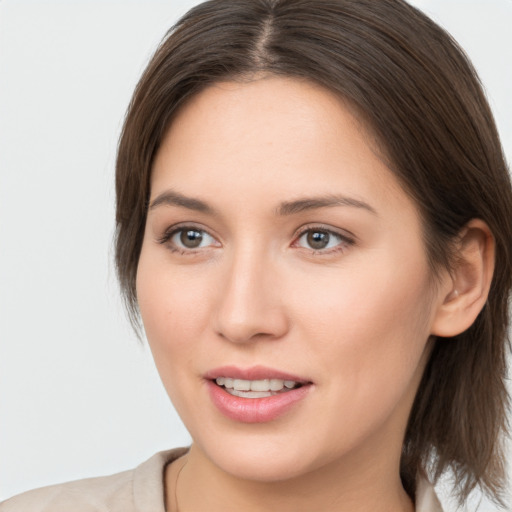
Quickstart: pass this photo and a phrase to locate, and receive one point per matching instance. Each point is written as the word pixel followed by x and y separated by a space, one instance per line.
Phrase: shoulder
pixel 135 490
pixel 426 498
pixel 90 494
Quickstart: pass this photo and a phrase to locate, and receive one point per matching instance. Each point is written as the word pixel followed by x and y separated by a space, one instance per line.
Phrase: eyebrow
pixel 173 198
pixel 312 203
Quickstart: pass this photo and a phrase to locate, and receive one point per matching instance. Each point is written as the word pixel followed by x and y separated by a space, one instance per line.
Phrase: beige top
pixel 137 490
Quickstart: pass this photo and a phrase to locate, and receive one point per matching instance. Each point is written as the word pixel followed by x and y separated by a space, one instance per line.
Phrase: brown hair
pixel 420 95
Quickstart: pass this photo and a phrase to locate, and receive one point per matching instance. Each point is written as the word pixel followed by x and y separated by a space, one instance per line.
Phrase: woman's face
pixel 282 259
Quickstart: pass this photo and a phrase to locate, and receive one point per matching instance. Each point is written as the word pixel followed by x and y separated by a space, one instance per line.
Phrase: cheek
pixel 371 325
pixel 172 308
pixel 369 340
pixel 172 305
pixel 371 301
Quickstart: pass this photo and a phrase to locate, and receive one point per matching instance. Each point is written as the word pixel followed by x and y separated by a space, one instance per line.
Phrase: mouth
pixel 262 388
pixel 256 394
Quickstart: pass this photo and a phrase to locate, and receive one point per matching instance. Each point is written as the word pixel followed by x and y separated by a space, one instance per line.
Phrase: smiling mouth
pixel 256 388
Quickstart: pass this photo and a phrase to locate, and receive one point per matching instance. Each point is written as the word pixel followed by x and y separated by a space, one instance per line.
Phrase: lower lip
pixel 255 410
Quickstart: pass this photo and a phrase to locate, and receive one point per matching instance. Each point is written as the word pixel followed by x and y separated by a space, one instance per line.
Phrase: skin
pixel 355 319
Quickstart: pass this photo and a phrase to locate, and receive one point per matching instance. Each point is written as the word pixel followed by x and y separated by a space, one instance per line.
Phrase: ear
pixel 464 290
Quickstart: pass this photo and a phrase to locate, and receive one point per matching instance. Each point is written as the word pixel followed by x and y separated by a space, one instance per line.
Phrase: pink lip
pixel 254 410
pixel 253 373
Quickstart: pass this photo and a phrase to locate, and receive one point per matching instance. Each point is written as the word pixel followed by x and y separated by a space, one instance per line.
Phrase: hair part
pixel 417 91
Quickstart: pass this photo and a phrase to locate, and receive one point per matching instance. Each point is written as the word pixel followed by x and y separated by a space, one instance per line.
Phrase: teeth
pixel 260 385
pixel 249 394
pixel 276 385
pixel 257 386
pixel 242 385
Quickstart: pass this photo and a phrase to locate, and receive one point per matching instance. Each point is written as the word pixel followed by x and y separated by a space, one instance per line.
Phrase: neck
pixel 347 486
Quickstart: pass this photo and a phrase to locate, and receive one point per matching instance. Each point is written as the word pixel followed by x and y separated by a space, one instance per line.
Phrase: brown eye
pixel 318 239
pixel 191 238
pixel 322 240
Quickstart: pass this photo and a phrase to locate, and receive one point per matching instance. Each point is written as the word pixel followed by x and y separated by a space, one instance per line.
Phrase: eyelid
pixel 344 233
pixel 166 237
pixel 346 237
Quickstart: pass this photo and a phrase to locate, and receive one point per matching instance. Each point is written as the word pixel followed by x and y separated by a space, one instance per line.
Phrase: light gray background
pixel 79 396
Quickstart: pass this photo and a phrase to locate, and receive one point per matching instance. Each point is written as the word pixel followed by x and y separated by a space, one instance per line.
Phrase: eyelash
pixel 166 238
pixel 344 241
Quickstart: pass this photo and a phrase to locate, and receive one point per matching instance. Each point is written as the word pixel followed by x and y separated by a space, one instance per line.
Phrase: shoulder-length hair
pixel 417 91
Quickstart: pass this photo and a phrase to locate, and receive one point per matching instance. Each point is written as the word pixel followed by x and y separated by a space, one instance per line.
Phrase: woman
pixel 314 222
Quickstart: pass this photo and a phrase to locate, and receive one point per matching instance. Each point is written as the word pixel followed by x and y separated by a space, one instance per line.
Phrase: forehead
pixel 238 110
pixel 271 136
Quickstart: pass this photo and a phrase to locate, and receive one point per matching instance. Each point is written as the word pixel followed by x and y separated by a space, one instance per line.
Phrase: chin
pixel 260 465
pixel 264 458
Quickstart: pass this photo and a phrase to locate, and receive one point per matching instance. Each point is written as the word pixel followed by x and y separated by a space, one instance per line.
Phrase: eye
pixel 188 238
pixel 321 240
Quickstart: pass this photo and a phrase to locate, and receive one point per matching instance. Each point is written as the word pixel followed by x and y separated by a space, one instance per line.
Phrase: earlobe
pixel 465 289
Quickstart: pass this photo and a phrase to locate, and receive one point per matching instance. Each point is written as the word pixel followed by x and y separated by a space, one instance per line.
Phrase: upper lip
pixel 252 373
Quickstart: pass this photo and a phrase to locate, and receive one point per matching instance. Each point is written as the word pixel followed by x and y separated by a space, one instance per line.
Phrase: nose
pixel 250 304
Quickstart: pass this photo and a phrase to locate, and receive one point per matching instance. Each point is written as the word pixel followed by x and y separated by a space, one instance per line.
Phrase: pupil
pixel 318 239
pixel 191 238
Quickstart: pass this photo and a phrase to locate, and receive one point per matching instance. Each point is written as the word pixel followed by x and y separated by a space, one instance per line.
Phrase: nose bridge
pixel 249 302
